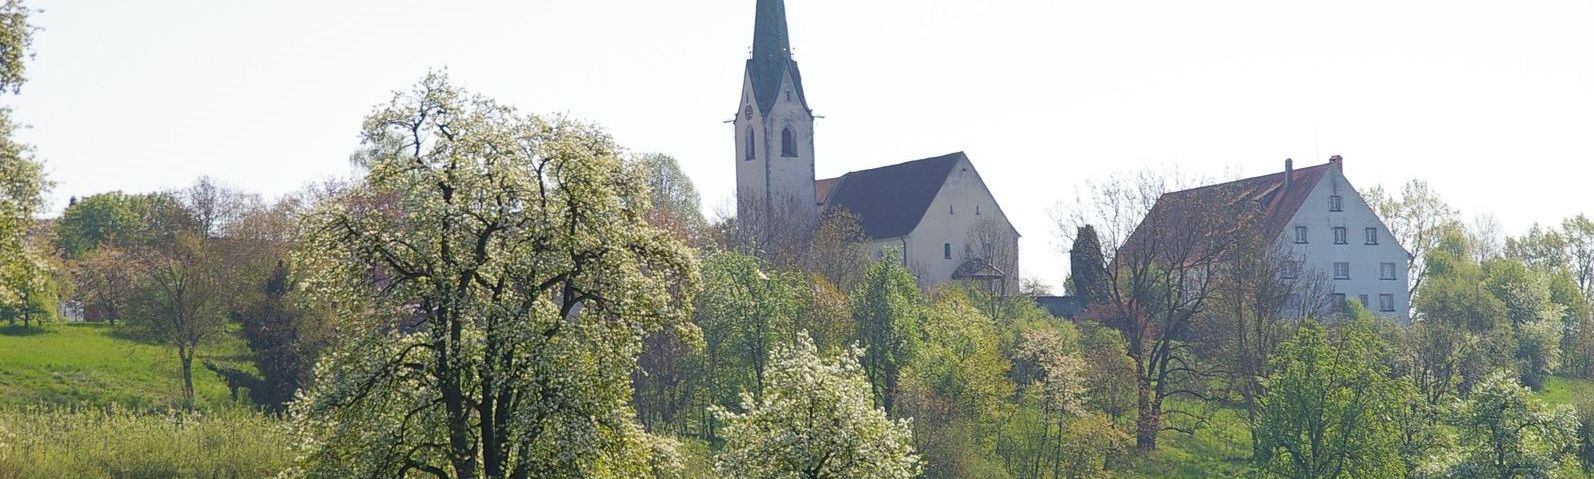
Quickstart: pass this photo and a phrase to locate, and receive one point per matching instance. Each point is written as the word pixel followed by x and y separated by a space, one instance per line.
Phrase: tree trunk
pixel 186 355
pixel 1149 422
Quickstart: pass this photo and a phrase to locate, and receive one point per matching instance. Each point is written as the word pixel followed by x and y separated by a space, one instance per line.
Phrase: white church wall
pixel 963 204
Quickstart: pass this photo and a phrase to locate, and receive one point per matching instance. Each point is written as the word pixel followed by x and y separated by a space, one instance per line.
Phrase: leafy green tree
pixel 1109 373
pixel 1506 433
pixel 1584 449
pixel 1579 234
pixel 1327 408
pixel 677 206
pixel 25 284
pixel 1575 312
pixel 494 276
pixel 1464 330
pixel 96 220
pixel 744 312
pixel 28 292
pixel 955 389
pixel 1537 322
pixel 889 310
pixel 815 421
pixel 1053 379
pixel 16 44
pixel 1543 248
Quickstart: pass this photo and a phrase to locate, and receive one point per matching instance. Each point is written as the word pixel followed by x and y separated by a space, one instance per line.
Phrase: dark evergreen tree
pixel 283 345
pixel 1089 269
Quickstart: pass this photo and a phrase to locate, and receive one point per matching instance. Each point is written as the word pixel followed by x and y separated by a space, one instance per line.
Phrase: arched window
pixel 750 155
pixel 788 143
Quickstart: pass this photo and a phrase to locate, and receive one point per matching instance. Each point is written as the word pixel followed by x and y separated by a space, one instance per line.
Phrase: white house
pixel 1316 218
pixel 937 212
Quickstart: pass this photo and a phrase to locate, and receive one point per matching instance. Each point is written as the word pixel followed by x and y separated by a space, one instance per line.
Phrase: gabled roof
pixel 1275 204
pixel 889 201
pixel 772 56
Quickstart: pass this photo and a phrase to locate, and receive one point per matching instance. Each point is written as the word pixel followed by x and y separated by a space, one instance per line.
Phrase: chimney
pixel 1289 174
pixel 1338 162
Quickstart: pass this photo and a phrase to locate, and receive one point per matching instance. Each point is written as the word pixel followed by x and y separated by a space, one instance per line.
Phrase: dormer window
pixel 750 155
pixel 788 143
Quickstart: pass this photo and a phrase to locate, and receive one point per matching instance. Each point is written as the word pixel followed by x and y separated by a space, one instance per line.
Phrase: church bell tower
pixel 774 133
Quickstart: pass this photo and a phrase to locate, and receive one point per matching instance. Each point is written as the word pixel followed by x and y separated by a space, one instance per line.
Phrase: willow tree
pixel 497 276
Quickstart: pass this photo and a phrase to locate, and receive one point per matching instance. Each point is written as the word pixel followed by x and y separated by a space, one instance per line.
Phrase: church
pixel 937 213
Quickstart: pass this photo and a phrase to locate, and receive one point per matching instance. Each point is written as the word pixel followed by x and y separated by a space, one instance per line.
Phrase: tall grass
pixel 57 442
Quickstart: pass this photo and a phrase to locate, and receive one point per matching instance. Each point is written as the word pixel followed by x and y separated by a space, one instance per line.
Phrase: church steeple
pixel 772 55
pixel 774 134
pixel 770 38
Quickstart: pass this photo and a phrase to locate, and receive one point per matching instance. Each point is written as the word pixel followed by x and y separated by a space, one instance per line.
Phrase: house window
pixel 1341 270
pixel 1336 203
pixel 1386 303
pixel 1341 235
pixel 1300 235
pixel 1372 235
pixel 951 209
pixel 1365 302
pixel 749 156
pixel 946 250
pixel 976 210
pixel 788 143
pixel 1339 302
pixel 1386 271
pixel 1292 270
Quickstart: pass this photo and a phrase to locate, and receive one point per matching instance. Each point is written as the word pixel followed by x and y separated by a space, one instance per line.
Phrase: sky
pixel 1490 102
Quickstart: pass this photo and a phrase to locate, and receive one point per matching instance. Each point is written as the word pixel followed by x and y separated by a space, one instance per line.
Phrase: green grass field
pixel 1567 391
pixel 91 365
pixel 1221 447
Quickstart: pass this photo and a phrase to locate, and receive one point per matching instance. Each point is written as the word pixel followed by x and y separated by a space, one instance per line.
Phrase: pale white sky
pixel 1492 102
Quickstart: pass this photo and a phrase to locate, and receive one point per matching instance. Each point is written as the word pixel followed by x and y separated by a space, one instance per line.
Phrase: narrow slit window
pixel 750 155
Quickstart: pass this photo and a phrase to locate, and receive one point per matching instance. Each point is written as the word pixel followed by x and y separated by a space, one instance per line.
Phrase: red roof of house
pixel 1275 205
pixel 822 189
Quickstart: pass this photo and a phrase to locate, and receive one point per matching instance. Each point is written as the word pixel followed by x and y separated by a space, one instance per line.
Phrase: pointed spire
pixel 770 39
pixel 772 55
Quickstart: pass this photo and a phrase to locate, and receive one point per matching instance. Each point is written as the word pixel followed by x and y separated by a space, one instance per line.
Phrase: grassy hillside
pixel 92 365
pixel 1221 447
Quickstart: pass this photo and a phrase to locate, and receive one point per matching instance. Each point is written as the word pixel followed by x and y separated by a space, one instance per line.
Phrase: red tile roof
pixel 822 189
pixel 1275 205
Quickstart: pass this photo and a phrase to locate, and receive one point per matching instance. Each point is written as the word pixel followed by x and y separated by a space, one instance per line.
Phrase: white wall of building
pixel 1320 253
pixel 789 183
pixel 963 204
